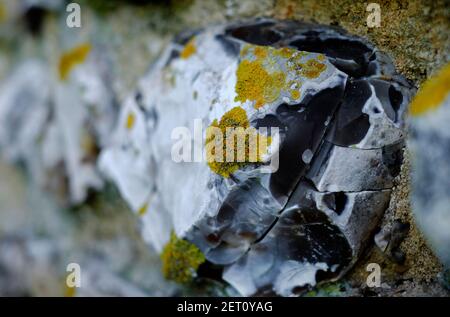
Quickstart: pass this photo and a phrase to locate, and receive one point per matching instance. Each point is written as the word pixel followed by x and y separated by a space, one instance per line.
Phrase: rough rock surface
pixel 340 127
pixel 128 37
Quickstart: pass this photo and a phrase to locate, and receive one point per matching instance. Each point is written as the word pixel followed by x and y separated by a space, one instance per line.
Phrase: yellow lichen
pixel 236 137
pixel 295 94
pixel 432 94
pixel 252 79
pixel 260 52
pixel 254 83
pixel 131 118
pixel 189 49
pixel 180 260
pixel 285 52
pixel 72 58
pixel 262 74
pixel 312 68
pixel 321 57
pixel 143 210
pixel 69 291
pixel 273 90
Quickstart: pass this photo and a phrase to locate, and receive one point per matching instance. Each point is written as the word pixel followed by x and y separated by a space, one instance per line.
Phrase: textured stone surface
pixel 339 151
pixel 116 30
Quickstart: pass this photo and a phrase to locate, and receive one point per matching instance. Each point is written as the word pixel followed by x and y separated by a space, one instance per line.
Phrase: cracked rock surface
pixel 338 105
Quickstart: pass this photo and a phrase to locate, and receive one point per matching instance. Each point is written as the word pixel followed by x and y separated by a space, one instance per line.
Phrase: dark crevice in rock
pixel 210 270
pixel 229 46
pixel 396 99
pixel 393 158
pixel 267 231
pixel 316 113
pixel 351 124
pixel 258 34
pixel 340 199
pixel 350 56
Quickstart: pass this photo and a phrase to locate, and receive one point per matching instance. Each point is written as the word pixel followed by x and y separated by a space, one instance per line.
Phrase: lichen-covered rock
pixel 430 147
pixel 301 210
pixel 60 120
pixel 181 260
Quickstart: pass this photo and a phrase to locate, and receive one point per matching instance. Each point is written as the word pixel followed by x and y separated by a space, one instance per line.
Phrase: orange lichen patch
pixel 432 94
pixel 312 68
pixel 129 123
pixel 72 58
pixel 237 138
pixel 189 49
pixel 143 210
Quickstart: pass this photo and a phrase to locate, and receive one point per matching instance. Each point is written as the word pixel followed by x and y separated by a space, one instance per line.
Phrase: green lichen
pixel 180 260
